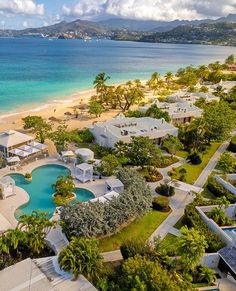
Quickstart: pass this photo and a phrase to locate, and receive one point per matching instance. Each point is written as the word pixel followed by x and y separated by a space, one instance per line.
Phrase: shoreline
pixel 56 108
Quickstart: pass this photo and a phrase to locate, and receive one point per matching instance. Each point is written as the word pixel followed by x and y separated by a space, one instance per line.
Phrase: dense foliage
pixel 82 256
pixel 26 240
pixel 219 191
pixel 165 190
pixel 98 219
pixel 232 145
pixel 161 204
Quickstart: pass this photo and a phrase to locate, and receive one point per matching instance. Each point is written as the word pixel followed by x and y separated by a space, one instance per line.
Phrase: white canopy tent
pixel 23 154
pixel 24 148
pixel 184 186
pixel 12 160
pixel 33 150
pixel 14 151
pixel 99 199
pixel 110 195
pixel 7 187
pixel 114 185
pixel 84 172
pixel 85 153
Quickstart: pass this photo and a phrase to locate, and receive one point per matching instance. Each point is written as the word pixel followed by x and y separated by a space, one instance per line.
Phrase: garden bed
pixel 150 174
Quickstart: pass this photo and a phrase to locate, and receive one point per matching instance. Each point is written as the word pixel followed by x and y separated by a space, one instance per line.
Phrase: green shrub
pixel 165 190
pixel 232 145
pixel 152 175
pixel 100 151
pixel 28 176
pixel 131 248
pixel 194 158
pixel 86 136
pixel 161 204
pixel 219 191
pixel 108 165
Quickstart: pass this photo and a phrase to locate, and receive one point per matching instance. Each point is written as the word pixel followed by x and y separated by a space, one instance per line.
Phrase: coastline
pixel 56 108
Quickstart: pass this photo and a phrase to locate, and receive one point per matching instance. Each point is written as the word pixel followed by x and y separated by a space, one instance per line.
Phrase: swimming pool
pixel 40 189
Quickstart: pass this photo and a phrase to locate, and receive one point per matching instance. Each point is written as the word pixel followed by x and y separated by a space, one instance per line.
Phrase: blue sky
pixel 20 14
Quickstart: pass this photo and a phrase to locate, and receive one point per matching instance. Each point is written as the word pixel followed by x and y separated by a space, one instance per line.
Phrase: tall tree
pixel 100 85
pixel 172 144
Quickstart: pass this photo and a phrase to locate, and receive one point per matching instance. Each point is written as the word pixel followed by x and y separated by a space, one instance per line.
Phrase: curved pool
pixel 40 189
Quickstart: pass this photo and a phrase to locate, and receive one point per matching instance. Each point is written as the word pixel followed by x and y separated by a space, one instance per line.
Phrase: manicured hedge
pixel 165 190
pixel 218 190
pixel 161 204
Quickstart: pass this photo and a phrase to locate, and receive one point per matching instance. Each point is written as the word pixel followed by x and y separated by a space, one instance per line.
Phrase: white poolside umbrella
pixel 13 160
pixel 33 150
pixel 24 148
pixel 15 151
pixel 41 146
pixel 23 154
pixel 34 143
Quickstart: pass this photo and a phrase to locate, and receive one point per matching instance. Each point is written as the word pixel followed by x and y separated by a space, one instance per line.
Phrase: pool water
pixel 229 230
pixel 40 189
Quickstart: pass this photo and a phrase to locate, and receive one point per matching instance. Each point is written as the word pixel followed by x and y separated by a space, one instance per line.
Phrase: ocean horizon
pixel 36 71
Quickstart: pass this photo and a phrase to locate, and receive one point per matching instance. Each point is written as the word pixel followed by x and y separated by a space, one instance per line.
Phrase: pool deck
pixel 10 205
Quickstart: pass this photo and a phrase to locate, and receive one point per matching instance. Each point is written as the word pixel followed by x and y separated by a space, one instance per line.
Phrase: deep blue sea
pixel 34 71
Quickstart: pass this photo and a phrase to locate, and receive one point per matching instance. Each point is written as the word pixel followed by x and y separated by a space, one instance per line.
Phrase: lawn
pixel 193 171
pixel 182 154
pixel 141 228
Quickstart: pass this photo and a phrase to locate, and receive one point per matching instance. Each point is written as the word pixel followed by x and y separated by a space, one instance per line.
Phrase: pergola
pixel 7 187
pixel 85 153
pixel 84 172
pixel 114 185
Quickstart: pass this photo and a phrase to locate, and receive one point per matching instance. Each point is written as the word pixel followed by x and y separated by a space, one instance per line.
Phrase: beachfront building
pixel 114 185
pixel 11 139
pixel 226 85
pixel 182 96
pixel 122 128
pixel 7 187
pixel 180 112
pixel 84 172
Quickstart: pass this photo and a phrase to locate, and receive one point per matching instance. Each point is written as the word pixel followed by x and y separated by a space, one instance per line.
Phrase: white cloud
pixel 151 9
pixel 23 7
pixel 25 24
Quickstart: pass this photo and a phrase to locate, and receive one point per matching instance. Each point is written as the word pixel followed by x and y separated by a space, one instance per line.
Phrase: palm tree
pixel 169 77
pixel 82 256
pixel 100 84
pixel 154 82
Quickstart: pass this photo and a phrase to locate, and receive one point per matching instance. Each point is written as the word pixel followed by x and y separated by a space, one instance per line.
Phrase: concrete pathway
pixel 200 182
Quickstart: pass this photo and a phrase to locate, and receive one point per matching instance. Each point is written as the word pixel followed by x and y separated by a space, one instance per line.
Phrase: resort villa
pixel 182 96
pixel 15 145
pixel 226 85
pixel 180 112
pixel 121 128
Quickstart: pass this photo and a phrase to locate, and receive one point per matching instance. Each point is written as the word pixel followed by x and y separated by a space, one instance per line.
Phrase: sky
pixel 18 14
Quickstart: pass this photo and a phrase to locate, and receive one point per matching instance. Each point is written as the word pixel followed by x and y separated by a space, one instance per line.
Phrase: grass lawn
pixel 193 171
pixel 182 154
pixel 141 228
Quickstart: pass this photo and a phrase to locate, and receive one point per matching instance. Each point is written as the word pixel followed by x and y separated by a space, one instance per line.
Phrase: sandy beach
pixel 57 109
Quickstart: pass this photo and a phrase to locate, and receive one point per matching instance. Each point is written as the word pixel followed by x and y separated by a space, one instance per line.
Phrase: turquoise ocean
pixel 35 71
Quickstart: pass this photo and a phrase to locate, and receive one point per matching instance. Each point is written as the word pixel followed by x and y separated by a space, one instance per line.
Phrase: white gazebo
pixel 7 187
pixel 84 172
pixel 114 185
pixel 86 154
pixel 110 195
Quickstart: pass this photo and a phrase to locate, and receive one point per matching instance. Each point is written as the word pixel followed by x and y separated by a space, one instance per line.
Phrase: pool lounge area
pixel 40 189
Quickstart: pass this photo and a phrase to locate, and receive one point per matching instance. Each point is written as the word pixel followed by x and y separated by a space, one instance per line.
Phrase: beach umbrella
pixel 15 151
pixel 24 148
pixel 13 160
pixel 33 150
pixel 34 143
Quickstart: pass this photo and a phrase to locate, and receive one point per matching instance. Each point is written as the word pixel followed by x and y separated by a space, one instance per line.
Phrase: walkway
pixel 178 209
pixel 57 239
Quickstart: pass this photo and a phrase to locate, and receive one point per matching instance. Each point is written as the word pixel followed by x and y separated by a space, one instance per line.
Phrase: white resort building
pixel 180 112
pixel 121 128
pixel 192 97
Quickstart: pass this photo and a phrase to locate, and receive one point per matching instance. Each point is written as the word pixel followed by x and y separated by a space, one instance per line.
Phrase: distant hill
pixel 219 33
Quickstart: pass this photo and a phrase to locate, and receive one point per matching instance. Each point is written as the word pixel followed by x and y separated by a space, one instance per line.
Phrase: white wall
pixel 210 260
pixel 226 184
